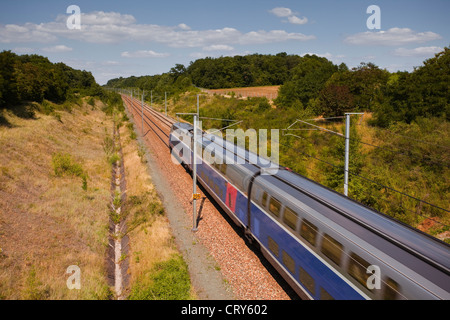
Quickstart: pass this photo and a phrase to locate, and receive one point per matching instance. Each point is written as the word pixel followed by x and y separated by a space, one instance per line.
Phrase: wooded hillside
pixel 316 84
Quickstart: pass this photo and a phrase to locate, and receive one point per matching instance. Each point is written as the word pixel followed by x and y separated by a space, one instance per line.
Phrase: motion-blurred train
pixel 324 244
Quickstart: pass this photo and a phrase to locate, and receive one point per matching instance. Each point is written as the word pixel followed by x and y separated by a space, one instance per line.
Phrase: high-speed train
pixel 324 244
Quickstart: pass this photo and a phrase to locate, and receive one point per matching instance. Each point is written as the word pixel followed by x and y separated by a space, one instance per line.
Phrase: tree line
pixel 316 84
pixel 26 78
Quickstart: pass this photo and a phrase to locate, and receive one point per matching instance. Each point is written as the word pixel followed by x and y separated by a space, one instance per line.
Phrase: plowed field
pixel 270 92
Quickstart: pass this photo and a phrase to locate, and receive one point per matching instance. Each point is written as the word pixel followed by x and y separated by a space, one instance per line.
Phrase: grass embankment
pixel 54 187
pixel 54 195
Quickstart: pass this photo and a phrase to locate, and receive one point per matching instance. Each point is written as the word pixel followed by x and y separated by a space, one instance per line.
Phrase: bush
pixel 169 281
pixel 63 164
pixel 114 158
pixel 91 101
pixel 108 146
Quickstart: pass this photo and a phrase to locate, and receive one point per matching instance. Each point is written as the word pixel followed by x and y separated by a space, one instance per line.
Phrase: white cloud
pixel 113 27
pixel 183 26
pixel 417 52
pixel 101 18
pixel 281 12
pixel 28 32
pixel 218 47
pixel 391 37
pixel 58 48
pixel 107 18
pixel 144 54
pixel 24 50
pixel 297 20
pixel 287 13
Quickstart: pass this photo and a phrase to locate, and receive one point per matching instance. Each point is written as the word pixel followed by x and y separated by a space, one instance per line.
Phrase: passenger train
pixel 324 244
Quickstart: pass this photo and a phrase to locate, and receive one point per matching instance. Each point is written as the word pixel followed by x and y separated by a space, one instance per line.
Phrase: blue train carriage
pixel 328 254
pixel 320 241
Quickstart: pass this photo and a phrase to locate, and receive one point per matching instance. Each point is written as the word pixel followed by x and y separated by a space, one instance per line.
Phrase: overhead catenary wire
pixel 409 153
pixel 365 178
pixel 379 129
pixel 411 138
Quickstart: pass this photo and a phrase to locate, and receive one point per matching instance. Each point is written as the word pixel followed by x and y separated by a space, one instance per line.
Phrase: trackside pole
pixel 142 113
pixel 194 179
pixel 347 149
pixel 195 195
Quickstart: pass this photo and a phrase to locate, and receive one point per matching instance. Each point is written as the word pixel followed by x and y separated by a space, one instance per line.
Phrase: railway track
pixel 250 276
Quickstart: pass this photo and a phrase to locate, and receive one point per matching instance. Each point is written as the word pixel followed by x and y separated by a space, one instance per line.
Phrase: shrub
pixel 169 281
pixel 91 101
pixel 63 164
pixel 108 146
pixel 114 158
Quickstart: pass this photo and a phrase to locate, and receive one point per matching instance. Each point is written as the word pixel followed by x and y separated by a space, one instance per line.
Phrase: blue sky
pixel 124 38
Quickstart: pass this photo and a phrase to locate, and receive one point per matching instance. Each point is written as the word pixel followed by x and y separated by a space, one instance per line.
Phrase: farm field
pixel 270 92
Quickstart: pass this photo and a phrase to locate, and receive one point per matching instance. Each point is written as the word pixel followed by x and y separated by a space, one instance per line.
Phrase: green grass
pixel 63 164
pixel 168 280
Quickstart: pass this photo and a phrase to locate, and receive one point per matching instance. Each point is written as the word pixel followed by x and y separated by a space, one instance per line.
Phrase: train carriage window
pixel 217 190
pixel 203 151
pixel 290 218
pixel 332 249
pixel 256 193
pixel 308 231
pixel 324 295
pixel 223 168
pixel 273 247
pixel 357 268
pixel 391 290
pixel 288 261
pixel 307 280
pixel 264 199
pixel 230 200
pixel 274 206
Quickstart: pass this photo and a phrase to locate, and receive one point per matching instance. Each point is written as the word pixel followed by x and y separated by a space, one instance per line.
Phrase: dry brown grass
pixel 150 234
pixel 48 223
